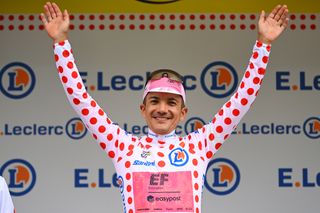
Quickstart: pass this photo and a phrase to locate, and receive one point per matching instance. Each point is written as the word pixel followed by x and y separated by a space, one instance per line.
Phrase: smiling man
pixel 161 171
pixel 163 104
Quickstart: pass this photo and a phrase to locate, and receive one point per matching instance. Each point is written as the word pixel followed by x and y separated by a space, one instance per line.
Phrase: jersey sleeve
pixel 230 114
pixel 107 134
pixel 6 204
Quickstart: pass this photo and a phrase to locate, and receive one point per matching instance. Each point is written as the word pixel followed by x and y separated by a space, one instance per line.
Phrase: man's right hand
pixel 55 22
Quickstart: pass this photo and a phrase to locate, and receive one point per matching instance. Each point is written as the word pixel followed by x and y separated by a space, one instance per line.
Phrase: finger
pixel 285 23
pixel 56 9
pixel 47 12
pixel 65 15
pixel 52 12
pixel 43 19
pixel 281 13
pixel 262 16
pixel 284 15
pixel 274 11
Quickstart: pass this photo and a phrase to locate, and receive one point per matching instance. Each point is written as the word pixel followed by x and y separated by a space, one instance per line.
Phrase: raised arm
pixel 95 119
pixel 230 114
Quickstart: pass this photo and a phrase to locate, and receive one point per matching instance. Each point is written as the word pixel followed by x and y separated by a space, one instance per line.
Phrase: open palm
pixel 56 23
pixel 274 24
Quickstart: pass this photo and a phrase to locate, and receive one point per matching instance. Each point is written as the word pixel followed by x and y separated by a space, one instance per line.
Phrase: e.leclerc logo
pixel 74 128
pixel 310 128
pixel 21 176
pixel 178 157
pixel 17 80
pixel 219 79
pixel 193 124
pixel 298 178
pixel 306 81
pixel 222 176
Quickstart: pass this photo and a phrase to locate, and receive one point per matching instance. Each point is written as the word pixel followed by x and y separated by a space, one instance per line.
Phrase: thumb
pixel 262 16
pixel 66 15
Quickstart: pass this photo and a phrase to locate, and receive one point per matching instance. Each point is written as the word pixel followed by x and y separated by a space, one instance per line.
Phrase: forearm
pixel 94 118
pixel 233 110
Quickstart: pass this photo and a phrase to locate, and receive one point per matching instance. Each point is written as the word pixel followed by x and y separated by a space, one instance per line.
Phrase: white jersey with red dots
pixel 160 173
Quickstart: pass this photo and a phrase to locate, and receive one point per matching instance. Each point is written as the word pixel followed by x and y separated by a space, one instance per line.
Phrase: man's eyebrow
pixel 153 97
pixel 173 99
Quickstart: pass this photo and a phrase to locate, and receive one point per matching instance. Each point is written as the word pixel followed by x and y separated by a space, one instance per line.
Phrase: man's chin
pixel 161 131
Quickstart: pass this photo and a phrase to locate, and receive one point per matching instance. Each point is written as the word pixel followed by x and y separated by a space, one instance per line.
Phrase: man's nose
pixel 163 108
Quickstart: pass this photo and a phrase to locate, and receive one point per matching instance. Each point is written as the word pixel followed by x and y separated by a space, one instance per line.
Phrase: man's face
pixel 163 111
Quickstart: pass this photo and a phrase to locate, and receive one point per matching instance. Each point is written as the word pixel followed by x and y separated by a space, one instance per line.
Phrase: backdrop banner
pixel 52 164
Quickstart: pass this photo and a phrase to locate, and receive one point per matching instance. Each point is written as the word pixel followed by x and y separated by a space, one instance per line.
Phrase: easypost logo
pixel 298 178
pixel 21 176
pixel 219 79
pixel 17 80
pixel 74 128
pixel 222 176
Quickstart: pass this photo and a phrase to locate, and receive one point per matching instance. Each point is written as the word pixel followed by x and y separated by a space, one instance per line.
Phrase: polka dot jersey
pixel 160 173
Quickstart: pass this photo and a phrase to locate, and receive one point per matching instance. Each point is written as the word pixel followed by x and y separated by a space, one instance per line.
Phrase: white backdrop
pixel 278 171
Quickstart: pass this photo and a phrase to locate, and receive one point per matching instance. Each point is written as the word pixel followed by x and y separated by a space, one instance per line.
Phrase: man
pixel 6 205
pixel 161 167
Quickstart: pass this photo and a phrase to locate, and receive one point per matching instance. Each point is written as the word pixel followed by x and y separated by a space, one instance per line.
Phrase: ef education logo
pixel 17 80
pixel 21 176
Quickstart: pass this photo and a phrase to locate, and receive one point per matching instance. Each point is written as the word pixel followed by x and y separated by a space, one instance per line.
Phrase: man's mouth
pixel 161 118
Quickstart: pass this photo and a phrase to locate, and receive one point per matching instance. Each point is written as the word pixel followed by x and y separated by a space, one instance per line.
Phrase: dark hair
pixel 165 71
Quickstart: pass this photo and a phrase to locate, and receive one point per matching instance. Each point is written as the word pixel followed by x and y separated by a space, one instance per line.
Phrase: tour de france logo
pixel 17 80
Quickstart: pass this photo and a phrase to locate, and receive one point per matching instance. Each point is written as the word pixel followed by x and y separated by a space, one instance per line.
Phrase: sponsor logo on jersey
pixel 178 157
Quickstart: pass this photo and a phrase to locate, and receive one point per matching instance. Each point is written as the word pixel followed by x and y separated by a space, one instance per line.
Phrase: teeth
pixel 161 118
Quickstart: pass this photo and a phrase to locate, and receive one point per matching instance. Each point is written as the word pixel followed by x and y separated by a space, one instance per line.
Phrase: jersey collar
pixel 153 135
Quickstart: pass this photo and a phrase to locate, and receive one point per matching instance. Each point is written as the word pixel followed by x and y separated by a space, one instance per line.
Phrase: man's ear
pixel 184 112
pixel 142 109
